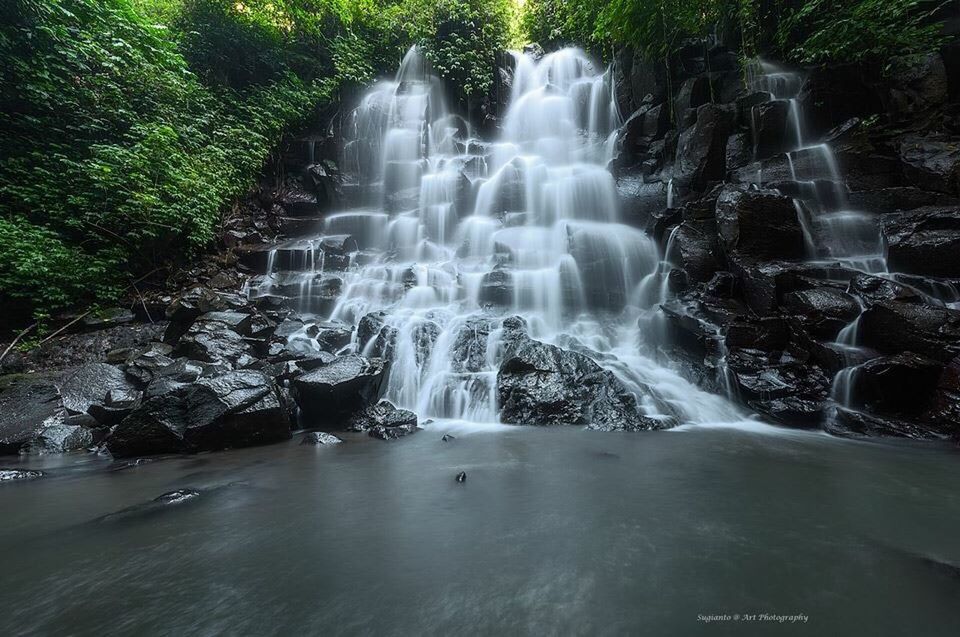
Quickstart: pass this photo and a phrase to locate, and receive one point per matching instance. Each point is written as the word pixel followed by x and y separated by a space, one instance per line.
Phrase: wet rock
pixel 859 423
pixel 27 404
pixel 540 384
pixel 448 438
pixel 924 241
pixel 469 351
pixel 392 433
pixel 900 384
pixel 142 367
pixel 374 336
pixel 638 199
pixel 898 198
pixel 702 149
pixel 831 95
pixel 233 409
pixel 461 477
pixel 214 342
pixel 931 163
pixel 697 249
pixel 383 414
pixel 335 391
pixel 496 288
pixel 772 125
pixel 793 411
pixel 118 404
pixel 60 437
pixel 894 327
pixel 333 338
pixel 824 310
pixel 85 391
pixel 239 322
pixel 693 93
pixel 320 438
pixel 872 289
pixel 10 475
pixel 759 223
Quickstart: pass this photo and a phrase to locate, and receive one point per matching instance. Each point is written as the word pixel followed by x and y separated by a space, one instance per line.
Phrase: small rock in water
pixel 320 438
pixel 462 476
pixel 9 475
pixel 391 433
pixel 176 497
pixel 448 438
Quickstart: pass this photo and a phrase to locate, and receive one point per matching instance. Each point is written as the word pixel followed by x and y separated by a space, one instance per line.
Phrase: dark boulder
pixel 702 149
pixel 831 95
pixel 384 414
pixel 27 405
pixel 759 223
pixel 823 310
pixel 901 384
pixel 335 391
pixel 895 326
pixel 117 405
pixel 469 351
pixel 88 387
pixel 215 342
pixel 234 409
pixel 924 241
pixel 693 93
pixel 333 338
pixel 392 433
pixel 540 384
pixel 847 422
pixel 898 198
pixel 697 250
pixel 62 437
pixel 872 289
pixel 773 126
pixel 931 163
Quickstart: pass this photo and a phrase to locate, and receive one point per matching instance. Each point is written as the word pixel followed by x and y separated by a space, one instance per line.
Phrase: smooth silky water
pixel 555 531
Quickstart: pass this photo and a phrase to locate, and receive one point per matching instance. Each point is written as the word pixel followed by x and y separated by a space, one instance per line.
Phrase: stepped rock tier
pixel 494 279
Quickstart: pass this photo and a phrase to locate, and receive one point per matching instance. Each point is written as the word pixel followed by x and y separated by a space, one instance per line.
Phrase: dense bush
pixel 810 31
pixel 129 126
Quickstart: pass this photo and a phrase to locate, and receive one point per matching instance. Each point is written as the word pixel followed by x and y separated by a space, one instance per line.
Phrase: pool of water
pixel 555 531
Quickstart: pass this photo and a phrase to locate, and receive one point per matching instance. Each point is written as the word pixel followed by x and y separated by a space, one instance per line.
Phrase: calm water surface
pixel 556 531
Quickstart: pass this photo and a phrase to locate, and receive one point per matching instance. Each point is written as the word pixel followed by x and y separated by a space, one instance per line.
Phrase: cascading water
pixel 459 233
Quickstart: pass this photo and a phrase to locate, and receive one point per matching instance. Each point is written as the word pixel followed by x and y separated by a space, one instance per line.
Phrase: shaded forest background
pixel 128 128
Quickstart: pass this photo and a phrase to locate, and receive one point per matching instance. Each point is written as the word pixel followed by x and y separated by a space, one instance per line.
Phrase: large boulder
pixel 931 163
pixel 59 436
pixel 824 311
pixel 214 341
pixel 773 126
pixel 895 326
pixel 924 241
pixel 86 389
pixel 832 95
pixel 27 405
pixel 899 384
pixel 759 223
pixel 335 391
pixel 383 420
pixel 541 384
pixel 702 149
pixel 697 250
pixel 234 409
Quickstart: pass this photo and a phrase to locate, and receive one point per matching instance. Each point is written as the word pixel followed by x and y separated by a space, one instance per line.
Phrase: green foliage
pixel 128 126
pixel 807 31
pixel 114 156
pixel 817 31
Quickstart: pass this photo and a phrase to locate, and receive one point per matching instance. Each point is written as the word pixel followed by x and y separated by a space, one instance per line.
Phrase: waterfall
pixel 458 233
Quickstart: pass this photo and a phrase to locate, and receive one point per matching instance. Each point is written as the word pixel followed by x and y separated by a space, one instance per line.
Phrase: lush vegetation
pixel 809 31
pixel 129 126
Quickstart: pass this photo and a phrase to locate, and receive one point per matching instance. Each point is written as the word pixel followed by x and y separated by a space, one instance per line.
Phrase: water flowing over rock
pixel 454 233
